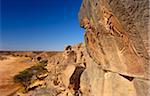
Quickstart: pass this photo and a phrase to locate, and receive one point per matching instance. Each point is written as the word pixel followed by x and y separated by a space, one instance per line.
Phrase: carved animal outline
pixel 117 29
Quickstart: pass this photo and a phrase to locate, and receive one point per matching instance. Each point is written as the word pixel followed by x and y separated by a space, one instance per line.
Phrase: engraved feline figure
pixel 116 29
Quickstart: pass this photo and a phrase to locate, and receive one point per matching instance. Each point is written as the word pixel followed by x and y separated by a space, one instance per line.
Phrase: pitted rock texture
pixel 116 35
pixel 116 41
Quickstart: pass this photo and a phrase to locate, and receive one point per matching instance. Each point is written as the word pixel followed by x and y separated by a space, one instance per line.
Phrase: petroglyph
pixel 116 29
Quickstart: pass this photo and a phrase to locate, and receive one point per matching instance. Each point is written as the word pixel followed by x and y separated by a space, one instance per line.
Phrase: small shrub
pixel 25 76
pixel 39 58
pixel 26 55
pixel 43 62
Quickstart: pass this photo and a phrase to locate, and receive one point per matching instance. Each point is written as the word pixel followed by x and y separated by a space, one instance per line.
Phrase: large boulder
pixel 96 81
pixel 66 75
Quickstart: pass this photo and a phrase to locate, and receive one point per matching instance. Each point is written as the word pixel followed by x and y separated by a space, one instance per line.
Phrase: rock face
pixel 115 37
pixel 116 40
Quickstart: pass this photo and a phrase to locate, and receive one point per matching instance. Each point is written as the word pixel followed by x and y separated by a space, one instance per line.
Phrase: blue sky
pixel 39 24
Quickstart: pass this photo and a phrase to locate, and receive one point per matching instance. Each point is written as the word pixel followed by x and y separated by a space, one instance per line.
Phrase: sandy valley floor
pixel 9 68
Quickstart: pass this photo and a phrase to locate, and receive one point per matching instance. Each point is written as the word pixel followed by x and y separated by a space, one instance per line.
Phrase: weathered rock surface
pixel 116 35
pixel 64 72
pixel 116 41
pixel 67 77
pixel 96 81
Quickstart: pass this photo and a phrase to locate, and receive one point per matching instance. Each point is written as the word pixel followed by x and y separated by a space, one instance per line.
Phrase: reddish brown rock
pixel 114 36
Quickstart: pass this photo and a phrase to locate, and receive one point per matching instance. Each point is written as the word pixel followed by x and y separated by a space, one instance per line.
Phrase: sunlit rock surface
pixel 115 37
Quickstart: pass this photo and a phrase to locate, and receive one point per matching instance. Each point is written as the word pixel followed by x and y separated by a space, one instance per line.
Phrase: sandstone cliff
pixel 116 39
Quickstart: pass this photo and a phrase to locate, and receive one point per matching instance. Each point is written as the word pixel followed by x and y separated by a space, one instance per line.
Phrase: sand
pixel 9 68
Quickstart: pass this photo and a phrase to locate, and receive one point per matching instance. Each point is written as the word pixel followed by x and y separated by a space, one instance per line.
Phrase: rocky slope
pixel 114 61
pixel 62 77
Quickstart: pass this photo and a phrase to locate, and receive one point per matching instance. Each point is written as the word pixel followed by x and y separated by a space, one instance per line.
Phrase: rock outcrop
pixel 113 37
pixel 64 73
pixel 116 39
